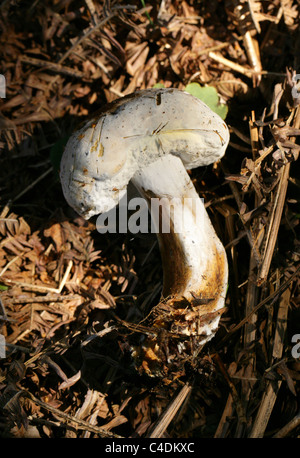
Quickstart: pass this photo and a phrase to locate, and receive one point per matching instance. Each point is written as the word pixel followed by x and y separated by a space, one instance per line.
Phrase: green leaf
pixel 3 288
pixel 146 12
pixel 208 95
pixel 158 85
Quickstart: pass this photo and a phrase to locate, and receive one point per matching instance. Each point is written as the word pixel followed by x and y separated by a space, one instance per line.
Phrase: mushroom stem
pixel 194 260
pixel 151 137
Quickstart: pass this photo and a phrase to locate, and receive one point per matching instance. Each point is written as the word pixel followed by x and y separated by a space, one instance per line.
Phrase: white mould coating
pixel 101 158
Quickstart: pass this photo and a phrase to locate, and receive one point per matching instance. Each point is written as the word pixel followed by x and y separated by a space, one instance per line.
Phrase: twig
pixel 36 299
pixel 252 14
pixel 57 68
pixel 270 395
pixel 248 72
pixel 223 424
pixel 281 324
pixel 28 188
pixel 288 427
pixel 265 409
pixel 278 207
pixel 246 30
pixel 238 405
pixel 170 412
pixel 85 35
pixel 91 7
pixel 213 48
pixel 275 221
pixel 80 424
pixel 42 288
pixel 10 263
pixel 251 297
pixel 266 300
pixel 228 63
pixel 239 202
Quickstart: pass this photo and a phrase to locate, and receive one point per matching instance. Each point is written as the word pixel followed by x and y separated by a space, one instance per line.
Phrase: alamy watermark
pixel 296 348
pixel 2 87
pixel 295 351
pixel 2 347
pixel 296 87
pixel 160 215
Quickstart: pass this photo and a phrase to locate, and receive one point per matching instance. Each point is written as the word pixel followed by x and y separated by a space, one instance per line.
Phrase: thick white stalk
pixel 194 259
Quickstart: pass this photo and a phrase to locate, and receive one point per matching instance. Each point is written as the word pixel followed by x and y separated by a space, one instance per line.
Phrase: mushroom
pixel 152 137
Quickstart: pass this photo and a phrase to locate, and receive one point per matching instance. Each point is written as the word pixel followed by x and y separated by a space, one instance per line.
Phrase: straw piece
pixel 265 410
pixel 170 412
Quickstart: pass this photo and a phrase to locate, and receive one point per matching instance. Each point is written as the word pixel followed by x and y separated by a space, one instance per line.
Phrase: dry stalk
pixel 272 388
pixel 294 423
pixel 57 68
pixel 76 422
pixel 223 423
pixel 281 324
pixel 251 297
pixel 275 220
pixel 271 297
pixel 45 289
pixel 265 409
pixel 170 412
pixel 39 299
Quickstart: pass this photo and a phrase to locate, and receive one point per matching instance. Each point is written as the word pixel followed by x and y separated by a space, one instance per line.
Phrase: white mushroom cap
pixel 102 157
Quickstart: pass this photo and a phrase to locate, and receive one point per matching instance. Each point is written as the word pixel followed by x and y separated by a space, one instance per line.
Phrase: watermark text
pixel 296 348
pixel 2 87
pixel 166 215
